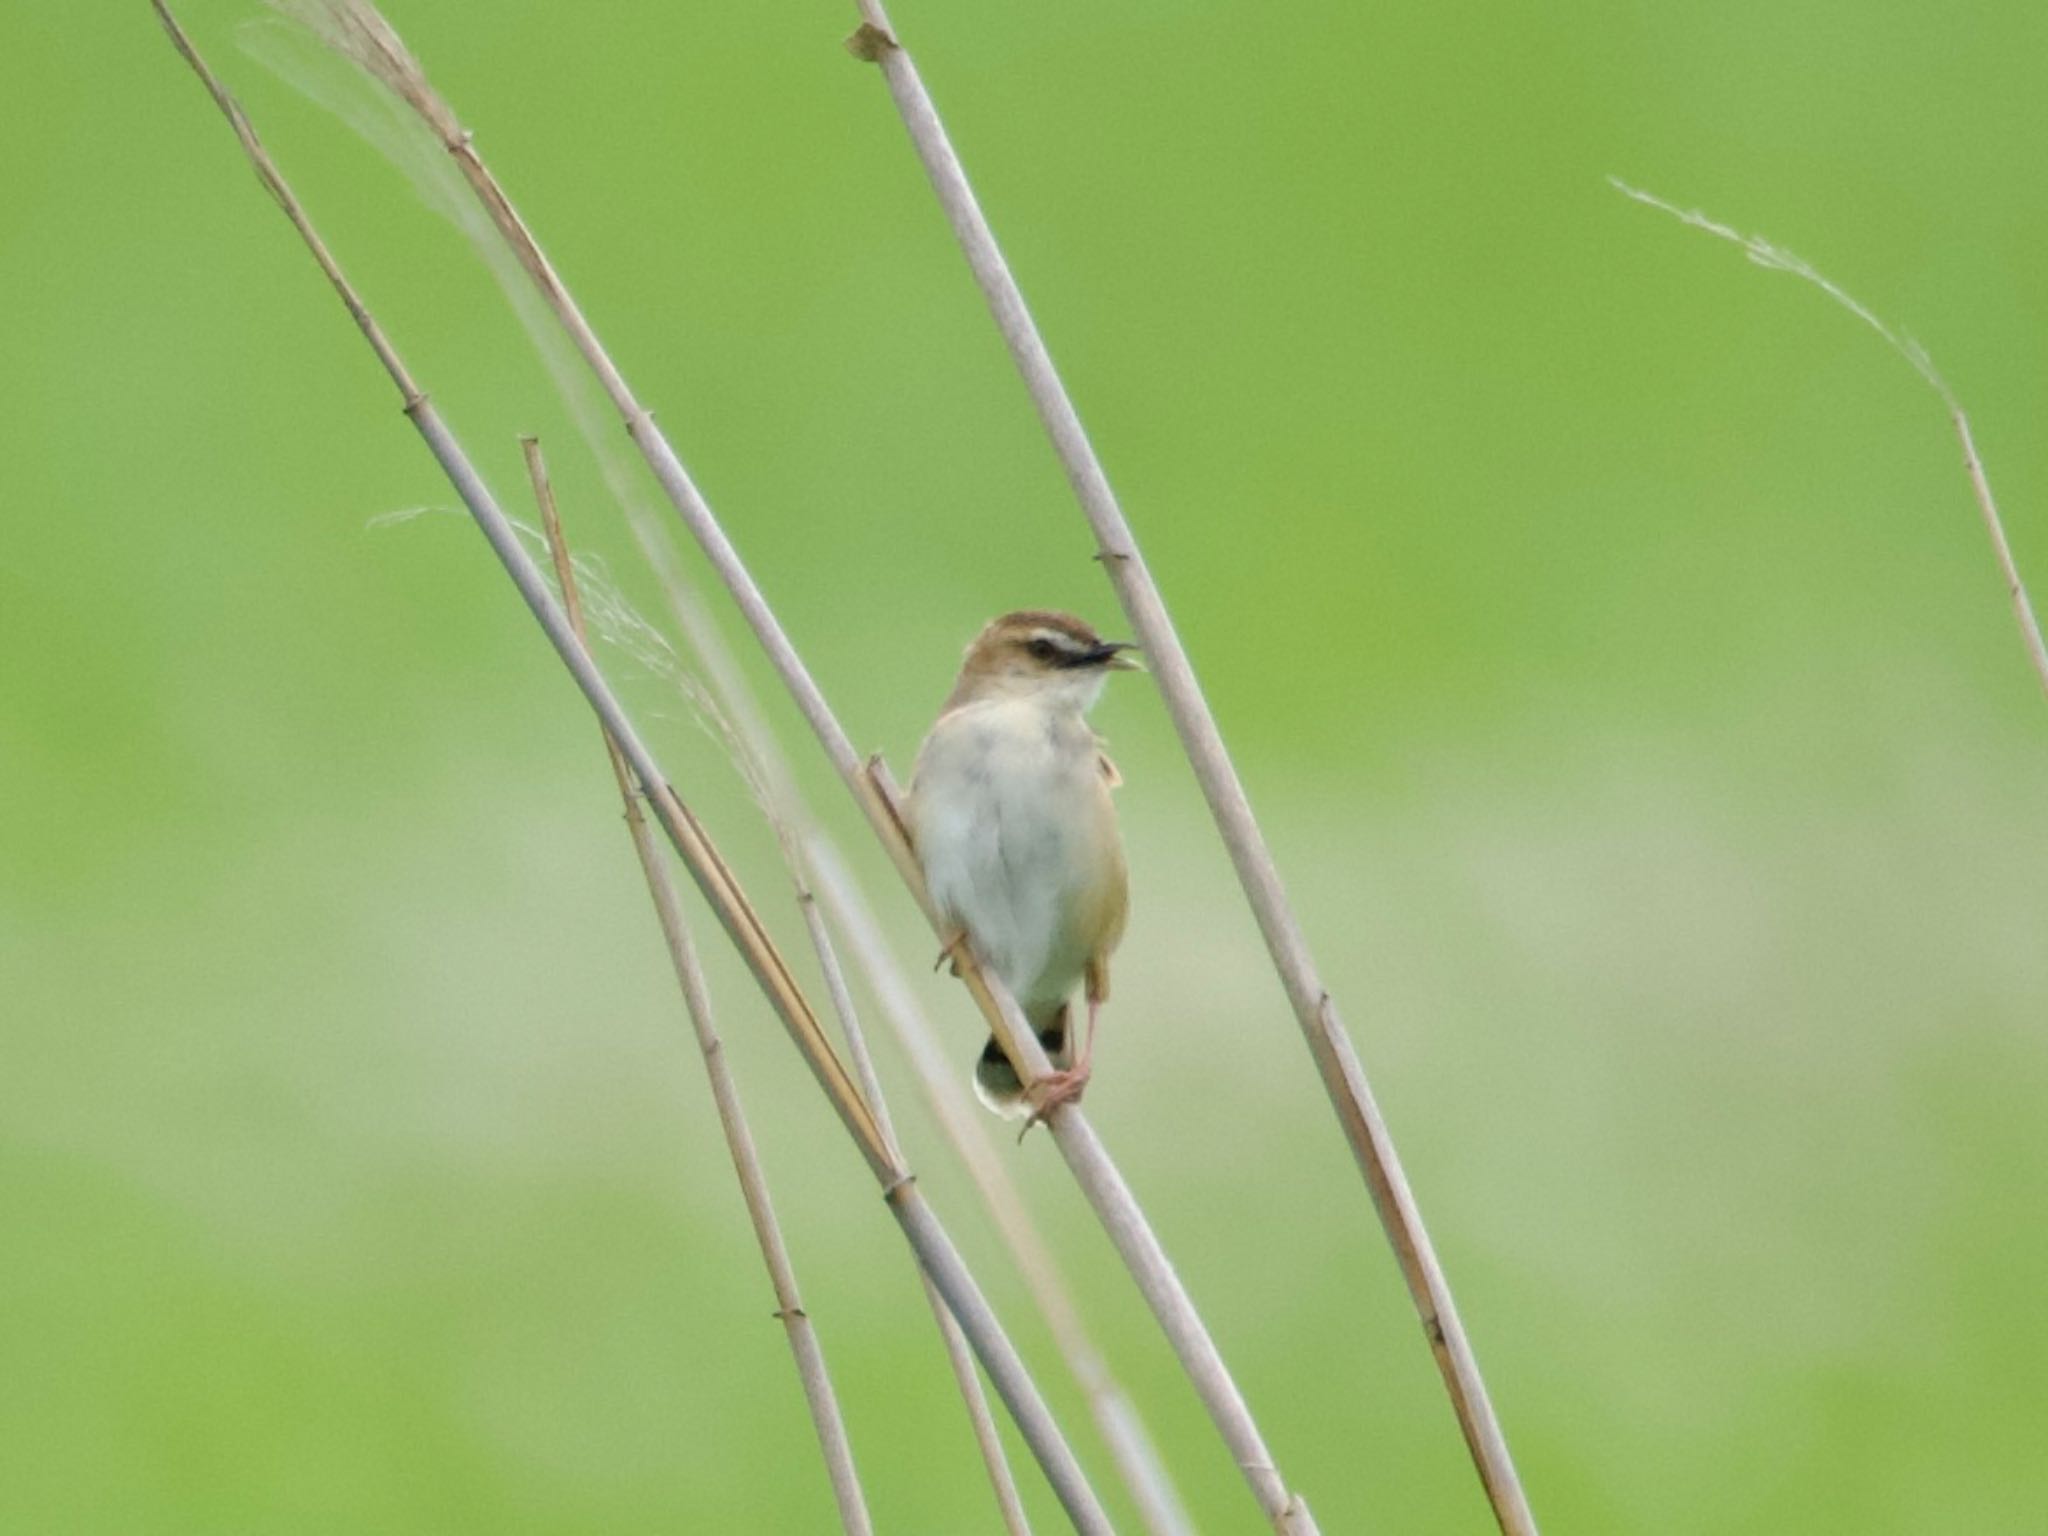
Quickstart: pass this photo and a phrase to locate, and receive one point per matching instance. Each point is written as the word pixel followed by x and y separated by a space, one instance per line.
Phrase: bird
pixel 1009 813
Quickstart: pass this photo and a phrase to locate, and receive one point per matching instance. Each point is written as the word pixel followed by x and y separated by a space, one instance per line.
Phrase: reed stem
pixel 1330 1047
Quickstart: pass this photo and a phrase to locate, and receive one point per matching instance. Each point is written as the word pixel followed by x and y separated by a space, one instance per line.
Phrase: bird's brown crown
pixel 1036 643
pixel 1042 633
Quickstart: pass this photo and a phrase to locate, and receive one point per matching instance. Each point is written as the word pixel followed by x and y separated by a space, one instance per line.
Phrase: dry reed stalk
pixel 1315 1010
pixel 361 33
pixel 1773 258
pixel 1123 1429
pixel 933 1248
pixel 823 1403
pixel 958 1355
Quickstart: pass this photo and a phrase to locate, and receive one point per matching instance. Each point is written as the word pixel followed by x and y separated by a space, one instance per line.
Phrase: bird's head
pixel 1036 654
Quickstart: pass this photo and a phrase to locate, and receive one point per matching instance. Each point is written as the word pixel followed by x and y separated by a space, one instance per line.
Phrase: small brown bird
pixel 1010 812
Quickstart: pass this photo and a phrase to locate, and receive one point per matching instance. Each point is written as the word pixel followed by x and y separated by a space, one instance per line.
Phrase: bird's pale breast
pixel 1018 840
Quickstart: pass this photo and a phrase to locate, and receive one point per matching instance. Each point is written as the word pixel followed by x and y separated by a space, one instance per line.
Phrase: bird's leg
pixel 1065 1085
pixel 952 950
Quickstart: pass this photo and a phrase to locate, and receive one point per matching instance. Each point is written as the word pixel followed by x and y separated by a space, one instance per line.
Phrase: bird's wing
pixel 1105 902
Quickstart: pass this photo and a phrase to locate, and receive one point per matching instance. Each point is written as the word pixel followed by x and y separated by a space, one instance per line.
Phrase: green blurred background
pixel 1604 629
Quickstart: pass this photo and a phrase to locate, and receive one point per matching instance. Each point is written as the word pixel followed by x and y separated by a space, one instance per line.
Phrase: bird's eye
pixel 1044 650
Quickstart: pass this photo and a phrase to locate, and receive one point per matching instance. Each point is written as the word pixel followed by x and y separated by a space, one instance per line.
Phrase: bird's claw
pixel 1050 1092
pixel 951 950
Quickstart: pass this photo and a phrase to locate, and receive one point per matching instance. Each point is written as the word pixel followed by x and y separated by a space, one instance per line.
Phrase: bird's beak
pixel 1116 656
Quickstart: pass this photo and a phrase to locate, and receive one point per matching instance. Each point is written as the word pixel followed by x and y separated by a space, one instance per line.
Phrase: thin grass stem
pixel 822 1401
pixel 1775 258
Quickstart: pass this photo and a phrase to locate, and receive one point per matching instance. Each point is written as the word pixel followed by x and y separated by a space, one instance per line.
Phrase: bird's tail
pixel 996 1082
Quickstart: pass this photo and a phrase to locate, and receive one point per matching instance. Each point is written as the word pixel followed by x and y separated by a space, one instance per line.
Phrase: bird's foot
pixel 952 950
pixel 1053 1090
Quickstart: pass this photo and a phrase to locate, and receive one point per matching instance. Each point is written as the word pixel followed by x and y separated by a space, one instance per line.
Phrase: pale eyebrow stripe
pixel 1060 638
